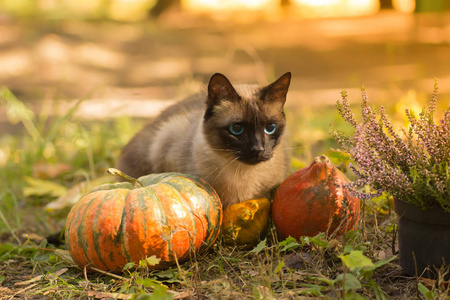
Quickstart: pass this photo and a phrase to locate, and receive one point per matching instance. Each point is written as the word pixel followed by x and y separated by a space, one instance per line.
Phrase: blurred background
pixel 134 57
pixel 122 53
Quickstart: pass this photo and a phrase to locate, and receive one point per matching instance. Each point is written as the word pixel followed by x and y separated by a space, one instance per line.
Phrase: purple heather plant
pixel 412 164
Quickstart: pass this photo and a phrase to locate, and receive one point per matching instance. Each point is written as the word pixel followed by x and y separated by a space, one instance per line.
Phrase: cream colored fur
pixel 179 145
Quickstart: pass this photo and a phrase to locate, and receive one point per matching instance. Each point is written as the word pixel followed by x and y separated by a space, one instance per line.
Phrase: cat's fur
pixel 194 137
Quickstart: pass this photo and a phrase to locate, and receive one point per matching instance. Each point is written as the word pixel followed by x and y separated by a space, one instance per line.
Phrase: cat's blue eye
pixel 237 129
pixel 270 129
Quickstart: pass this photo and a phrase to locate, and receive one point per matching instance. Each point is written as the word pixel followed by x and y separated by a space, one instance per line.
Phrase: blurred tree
pixel 386 4
pixel 161 6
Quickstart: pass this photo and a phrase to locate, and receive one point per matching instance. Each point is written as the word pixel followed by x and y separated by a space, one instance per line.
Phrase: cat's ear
pixel 220 88
pixel 277 91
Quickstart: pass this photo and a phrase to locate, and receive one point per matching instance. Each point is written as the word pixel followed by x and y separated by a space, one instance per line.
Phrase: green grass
pixel 62 152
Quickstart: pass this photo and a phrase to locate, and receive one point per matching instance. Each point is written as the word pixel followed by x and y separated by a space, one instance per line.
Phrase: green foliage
pixel 159 293
pixel 288 244
pixel 431 6
pixel 361 275
pixel 318 240
pixel 45 142
pixel 358 272
pixel 9 207
pixel 30 252
pixel 260 247
pixel 426 293
pixel 309 133
pixel 356 261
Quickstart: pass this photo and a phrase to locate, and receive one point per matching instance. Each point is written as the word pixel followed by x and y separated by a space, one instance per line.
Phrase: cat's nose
pixel 258 152
pixel 257 149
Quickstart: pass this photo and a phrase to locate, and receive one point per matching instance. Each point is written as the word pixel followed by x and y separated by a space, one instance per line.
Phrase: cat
pixel 234 137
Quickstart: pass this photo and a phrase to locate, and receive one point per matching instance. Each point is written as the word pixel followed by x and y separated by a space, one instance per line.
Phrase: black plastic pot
pixel 423 237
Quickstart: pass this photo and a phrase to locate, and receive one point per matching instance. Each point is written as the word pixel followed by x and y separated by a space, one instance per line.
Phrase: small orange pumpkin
pixel 168 215
pixel 313 200
pixel 246 223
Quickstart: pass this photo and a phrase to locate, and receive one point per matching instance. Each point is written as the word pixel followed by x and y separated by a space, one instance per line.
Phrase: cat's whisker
pixel 293 148
pixel 238 170
pixel 222 149
pixel 224 168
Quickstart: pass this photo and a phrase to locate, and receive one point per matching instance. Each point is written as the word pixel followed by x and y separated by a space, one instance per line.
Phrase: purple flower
pixel 412 164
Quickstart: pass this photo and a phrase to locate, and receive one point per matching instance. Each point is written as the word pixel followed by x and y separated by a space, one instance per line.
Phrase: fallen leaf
pixel 166 233
pixel 152 260
pixel 433 283
pixel 102 295
pixel 385 254
pixel 71 196
pixel 43 170
pixel 183 295
pixel 40 187
pixel 64 255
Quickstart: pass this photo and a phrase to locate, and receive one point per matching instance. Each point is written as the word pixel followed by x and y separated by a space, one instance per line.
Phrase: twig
pixel 48 276
pixel 85 275
pixel 23 290
pixel 110 274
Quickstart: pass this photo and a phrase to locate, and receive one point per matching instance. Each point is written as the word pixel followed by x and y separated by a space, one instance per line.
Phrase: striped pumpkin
pixel 168 215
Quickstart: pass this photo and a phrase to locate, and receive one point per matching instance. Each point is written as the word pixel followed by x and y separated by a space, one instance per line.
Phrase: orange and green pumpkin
pixel 315 199
pixel 168 215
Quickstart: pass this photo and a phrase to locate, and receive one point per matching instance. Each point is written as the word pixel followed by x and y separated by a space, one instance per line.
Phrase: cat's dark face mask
pixel 249 125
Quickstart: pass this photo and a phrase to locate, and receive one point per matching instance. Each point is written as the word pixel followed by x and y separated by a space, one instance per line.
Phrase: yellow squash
pixel 246 223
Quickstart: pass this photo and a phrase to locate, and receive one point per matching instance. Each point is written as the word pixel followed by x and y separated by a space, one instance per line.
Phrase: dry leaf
pixel 102 295
pixel 43 170
pixel 166 233
pixel 64 255
pixel 40 277
pixel 40 187
pixel 183 295
pixel 70 197
pixel 433 283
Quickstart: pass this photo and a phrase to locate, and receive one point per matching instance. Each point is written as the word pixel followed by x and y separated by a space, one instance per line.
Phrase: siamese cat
pixel 234 137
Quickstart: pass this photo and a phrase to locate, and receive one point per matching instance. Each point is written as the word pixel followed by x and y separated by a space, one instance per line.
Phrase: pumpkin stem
pixel 126 177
